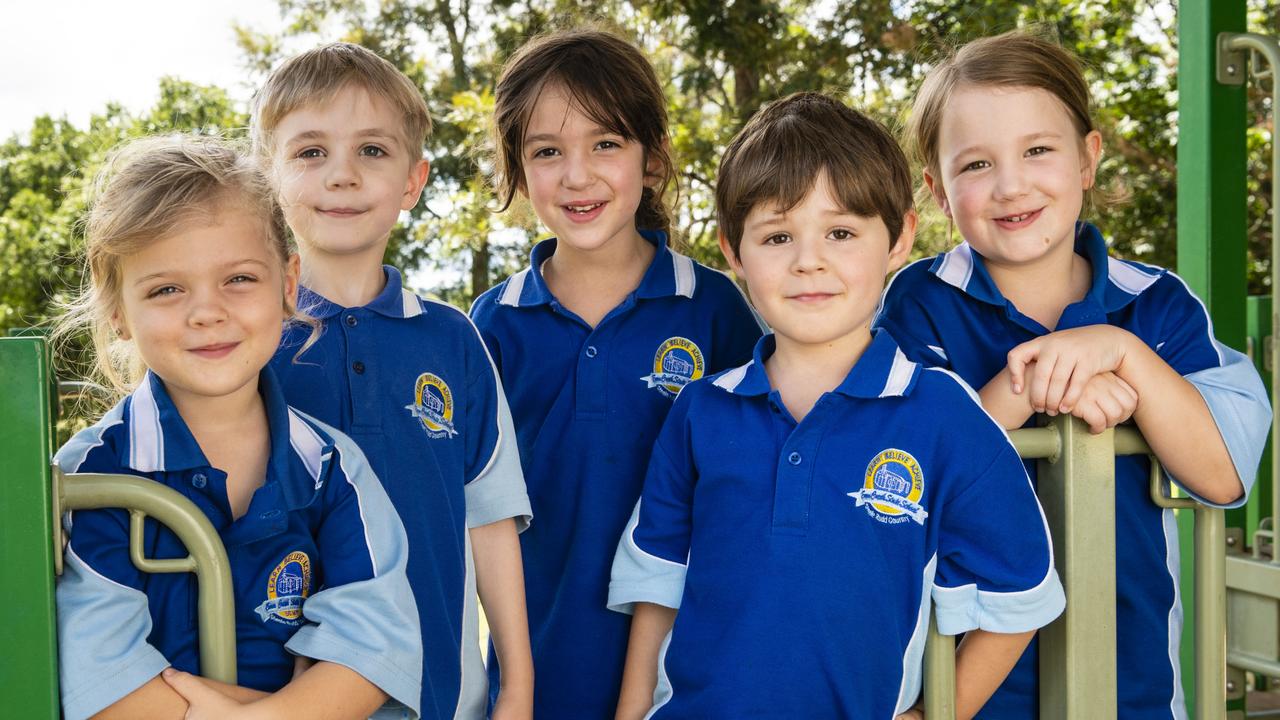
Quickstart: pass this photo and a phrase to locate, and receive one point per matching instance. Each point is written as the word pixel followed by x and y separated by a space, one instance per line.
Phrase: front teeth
pixel 582 209
pixel 1016 218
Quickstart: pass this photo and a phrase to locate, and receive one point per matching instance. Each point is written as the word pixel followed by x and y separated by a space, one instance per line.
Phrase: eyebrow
pixel 321 135
pixel 544 137
pixel 225 266
pixel 1029 137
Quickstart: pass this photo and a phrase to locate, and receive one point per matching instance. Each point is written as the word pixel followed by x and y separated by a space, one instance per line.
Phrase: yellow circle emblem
pixel 892 487
pixel 677 363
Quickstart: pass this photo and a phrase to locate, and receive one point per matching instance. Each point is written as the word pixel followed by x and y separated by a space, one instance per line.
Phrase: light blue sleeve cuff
pixel 638 576
pixel 376 660
pixel 103 653
pixel 967 608
pixel 498 491
pixel 1240 407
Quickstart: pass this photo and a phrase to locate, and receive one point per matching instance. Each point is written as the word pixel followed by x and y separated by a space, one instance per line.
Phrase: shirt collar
pixel 882 371
pixel 160 441
pixel 1114 282
pixel 669 274
pixel 394 301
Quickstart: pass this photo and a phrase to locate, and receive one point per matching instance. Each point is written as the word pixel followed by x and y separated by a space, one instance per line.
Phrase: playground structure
pixel 1231 571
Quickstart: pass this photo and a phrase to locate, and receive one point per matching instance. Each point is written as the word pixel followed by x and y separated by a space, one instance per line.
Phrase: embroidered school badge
pixel 433 406
pixel 287 589
pixel 892 488
pixel 677 363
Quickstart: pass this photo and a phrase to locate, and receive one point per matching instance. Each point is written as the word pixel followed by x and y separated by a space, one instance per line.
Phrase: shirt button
pixel 591 351
pixel 351 321
pixel 358 367
pixel 199 480
pixel 794 458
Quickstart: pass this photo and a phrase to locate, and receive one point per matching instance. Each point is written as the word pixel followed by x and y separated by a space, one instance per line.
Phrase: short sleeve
pixel 364 617
pixel 653 553
pixel 995 559
pixel 495 487
pixel 103 615
pixel 906 319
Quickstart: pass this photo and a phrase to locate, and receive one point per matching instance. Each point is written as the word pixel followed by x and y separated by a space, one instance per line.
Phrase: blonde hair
pixel 315 76
pixel 610 81
pixel 147 190
pixel 1018 58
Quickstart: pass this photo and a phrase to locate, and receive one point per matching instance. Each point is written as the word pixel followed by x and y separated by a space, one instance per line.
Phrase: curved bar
pixel 1130 442
pixel 1037 443
pixel 208 557
pixel 939 673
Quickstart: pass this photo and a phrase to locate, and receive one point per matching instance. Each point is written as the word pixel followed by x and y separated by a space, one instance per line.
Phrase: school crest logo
pixel 433 406
pixel 892 488
pixel 677 363
pixel 287 589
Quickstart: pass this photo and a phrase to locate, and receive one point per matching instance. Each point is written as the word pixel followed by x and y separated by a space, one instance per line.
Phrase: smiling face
pixel 1012 171
pixel 345 172
pixel 815 271
pixel 584 181
pixel 204 306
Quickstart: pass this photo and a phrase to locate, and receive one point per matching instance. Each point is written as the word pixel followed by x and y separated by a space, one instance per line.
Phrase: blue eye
pixel 372 151
pixel 310 153
pixel 162 291
pixel 242 278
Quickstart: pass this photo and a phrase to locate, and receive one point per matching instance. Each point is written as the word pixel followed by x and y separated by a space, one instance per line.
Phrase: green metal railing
pixel 33 496
pixel 1078 671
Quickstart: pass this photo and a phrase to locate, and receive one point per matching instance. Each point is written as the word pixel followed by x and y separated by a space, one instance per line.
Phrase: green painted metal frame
pixel 29 686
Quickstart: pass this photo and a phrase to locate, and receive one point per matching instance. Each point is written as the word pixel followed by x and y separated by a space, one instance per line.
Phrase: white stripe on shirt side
pixel 630 535
pixel 1129 278
pixel 409 304
pixel 663 692
pixel 685 279
pixel 1173 561
pixel 1208 320
pixel 146 437
pixel 515 287
pixel 730 380
pixel 306 443
pixel 912 658
pixel 364 519
pixel 900 374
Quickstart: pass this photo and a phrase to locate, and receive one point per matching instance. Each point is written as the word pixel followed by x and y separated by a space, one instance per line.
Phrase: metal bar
pixel 1267 48
pixel 1254 664
pixel 1078 650
pixel 1211 614
pixel 28 640
pixel 1037 443
pixel 208 557
pixel 939 674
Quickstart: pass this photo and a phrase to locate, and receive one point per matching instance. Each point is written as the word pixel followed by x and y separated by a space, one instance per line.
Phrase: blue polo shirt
pixel 588 403
pixel 317 561
pixel 818 549
pixel 947 311
pixel 411 382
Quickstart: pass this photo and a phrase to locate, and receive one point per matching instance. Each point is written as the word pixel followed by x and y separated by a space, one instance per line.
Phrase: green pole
pixel 28 645
pixel 1211 213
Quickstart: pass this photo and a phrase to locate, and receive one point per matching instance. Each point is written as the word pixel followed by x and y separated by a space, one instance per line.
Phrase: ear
pixel 729 255
pixel 1092 154
pixel 120 326
pixel 938 192
pixel 653 165
pixel 291 273
pixel 901 249
pixel 413 185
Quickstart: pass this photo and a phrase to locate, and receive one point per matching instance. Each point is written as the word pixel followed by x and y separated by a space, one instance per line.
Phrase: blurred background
pixel 80 77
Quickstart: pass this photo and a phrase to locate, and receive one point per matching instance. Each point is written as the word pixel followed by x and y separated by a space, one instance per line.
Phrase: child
pixel 805 511
pixel 408 378
pixel 595 337
pixel 1009 150
pixel 191 278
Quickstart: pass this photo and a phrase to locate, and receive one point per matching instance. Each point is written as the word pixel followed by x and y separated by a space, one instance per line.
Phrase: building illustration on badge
pixel 287 589
pixel 433 406
pixel 892 488
pixel 677 363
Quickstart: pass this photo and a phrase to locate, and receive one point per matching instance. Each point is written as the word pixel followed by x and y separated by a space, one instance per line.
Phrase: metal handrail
pixel 1047 444
pixel 207 559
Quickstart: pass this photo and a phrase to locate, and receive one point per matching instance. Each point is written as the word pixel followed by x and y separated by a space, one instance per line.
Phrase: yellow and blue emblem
pixel 433 406
pixel 287 589
pixel 892 488
pixel 677 363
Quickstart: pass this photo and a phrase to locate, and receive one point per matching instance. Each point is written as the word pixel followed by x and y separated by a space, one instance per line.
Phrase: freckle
pixel 1047 241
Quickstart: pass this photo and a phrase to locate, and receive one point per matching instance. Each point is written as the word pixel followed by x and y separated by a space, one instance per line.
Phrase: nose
pixel 1011 181
pixel 577 171
pixel 342 172
pixel 810 255
pixel 207 309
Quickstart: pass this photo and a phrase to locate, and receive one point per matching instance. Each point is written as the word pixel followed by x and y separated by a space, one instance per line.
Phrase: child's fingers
pixel 1059 382
pixel 1047 368
pixel 188 686
pixel 1017 360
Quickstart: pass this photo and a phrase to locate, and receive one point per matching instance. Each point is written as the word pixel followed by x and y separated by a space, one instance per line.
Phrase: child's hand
pixel 1065 363
pixel 202 701
pixel 1106 402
